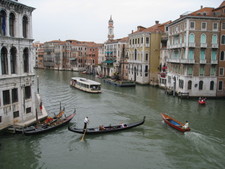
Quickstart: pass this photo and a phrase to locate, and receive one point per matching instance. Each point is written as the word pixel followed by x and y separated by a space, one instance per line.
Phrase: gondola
pixel 106 129
pixel 174 123
pixel 32 130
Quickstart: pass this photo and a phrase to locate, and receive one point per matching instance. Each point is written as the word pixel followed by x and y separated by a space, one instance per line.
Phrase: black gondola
pixel 106 129
pixel 32 130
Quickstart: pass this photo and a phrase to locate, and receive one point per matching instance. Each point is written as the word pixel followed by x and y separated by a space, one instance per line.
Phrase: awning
pixel 108 61
pixel 73 58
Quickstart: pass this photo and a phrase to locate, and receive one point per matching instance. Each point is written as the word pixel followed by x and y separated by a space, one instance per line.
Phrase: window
pixel 190 71
pixel 25 60
pixel 4 61
pixel 200 85
pixel 147 40
pixel 215 26
pixel 2 23
pixel 12 25
pixel 202 71
pixel 214 39
pixel 212 85
pixel 146 56
pixel 13 60
pixel 202 55
pixel 222 55
pixel 213 55
pixel 192 25
pixel 191 38
pixel 203 38
pixel 27 92
pixel 135 54
pixel 204 25
pixel 223 39
pixel 181 83
pixel 16 114
pixel 6 97
pixel 25 26
pixel 221 71
pixel 146 70
pixel 191 54
pixel 213 71
pixel 223 25
pixel 220 85
pixel 14 95
pixel 189 84
pixel 28 110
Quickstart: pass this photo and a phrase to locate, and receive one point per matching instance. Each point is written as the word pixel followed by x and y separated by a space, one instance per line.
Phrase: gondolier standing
pixel 86 121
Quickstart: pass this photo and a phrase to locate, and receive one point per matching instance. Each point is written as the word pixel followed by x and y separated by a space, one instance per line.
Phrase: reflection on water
pixel 152 145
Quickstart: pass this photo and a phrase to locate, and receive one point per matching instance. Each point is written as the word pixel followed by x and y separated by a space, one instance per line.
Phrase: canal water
pixel 153 145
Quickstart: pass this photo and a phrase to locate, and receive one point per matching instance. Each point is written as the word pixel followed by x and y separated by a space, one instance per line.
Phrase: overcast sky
pixel 87 20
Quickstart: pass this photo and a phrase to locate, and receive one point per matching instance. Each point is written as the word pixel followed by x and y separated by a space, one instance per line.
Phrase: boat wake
pixel 206 146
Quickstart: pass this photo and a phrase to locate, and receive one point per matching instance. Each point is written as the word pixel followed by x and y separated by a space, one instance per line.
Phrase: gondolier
pixel 85 122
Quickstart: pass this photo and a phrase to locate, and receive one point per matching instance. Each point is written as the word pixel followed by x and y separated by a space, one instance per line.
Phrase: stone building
pixel 18 101
pixel 144 54
pixel 193 44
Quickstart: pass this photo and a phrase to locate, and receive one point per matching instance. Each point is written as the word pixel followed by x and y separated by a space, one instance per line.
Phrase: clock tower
pixel 110 28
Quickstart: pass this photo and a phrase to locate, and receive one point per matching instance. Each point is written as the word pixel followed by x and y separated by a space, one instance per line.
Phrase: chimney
pixel 201 6
pixel 156 22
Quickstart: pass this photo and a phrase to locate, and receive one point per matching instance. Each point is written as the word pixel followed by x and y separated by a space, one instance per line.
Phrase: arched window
pixel 25 26
pixel 214 39
pixel 4 61
pixel 203 38
pixel 2 23
pixel 200 85
pixel 25 60
pixel 12 25
pixel 212 85
pixel 223 39
pixel 189 84
pixel 192 38
pixel 13 60
pixel 222 55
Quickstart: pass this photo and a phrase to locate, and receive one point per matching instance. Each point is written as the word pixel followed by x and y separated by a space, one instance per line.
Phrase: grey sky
pixel 87 20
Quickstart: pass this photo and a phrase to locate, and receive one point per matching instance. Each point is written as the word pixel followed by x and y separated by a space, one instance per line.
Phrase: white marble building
pixel 18 101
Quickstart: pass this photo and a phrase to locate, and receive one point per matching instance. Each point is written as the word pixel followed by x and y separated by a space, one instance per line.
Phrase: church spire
pixel 110 29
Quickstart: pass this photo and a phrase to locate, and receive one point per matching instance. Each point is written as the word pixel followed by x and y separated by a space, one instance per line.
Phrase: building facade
pixel 193 44
pixel 18 101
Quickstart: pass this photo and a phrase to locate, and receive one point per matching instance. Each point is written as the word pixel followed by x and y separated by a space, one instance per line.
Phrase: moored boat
pixel 106 129
pixel 32 130
pixel 174 123
pixel 86 85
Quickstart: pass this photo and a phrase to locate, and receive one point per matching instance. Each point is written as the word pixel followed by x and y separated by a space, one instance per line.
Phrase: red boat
pixel 202 102
pixel 174 123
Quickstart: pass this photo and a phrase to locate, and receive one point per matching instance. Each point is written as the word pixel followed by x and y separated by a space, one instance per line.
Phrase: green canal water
pixel 153 145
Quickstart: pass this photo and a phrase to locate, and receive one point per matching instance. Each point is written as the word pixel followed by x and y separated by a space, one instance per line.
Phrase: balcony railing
pixel 214 61
pixel 202 61
pixel 191 44
pixel 203 45
pixel 214 45
pixel 183 61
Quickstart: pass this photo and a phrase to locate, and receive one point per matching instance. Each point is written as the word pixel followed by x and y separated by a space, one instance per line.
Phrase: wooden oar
pixel 82 139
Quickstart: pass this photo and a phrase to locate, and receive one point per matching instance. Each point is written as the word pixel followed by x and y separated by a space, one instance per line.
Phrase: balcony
pixel 214 45
pixel 187 61
pixel 203 45
pixel 183 61
pixel 191 44
pixel 214 61
pixel 202 61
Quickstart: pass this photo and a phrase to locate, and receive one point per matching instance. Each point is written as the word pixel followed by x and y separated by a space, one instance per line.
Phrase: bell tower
pixel 110 29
